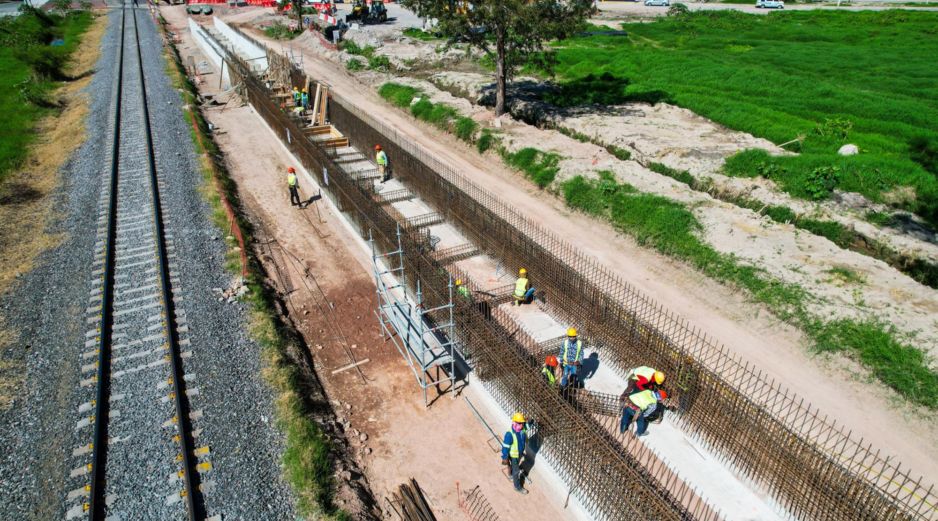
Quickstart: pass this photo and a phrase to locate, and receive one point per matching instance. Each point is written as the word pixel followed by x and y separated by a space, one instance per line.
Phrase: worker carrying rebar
pixel 645 405
pixel 381 158
pixel 523 290
pixel 513 449
pixel 550 370
pixel 571 356
pixel 294 185
pixel 643 378
pixel 461 289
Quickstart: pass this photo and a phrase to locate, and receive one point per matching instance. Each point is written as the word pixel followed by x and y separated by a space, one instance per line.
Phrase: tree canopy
pixel 509 31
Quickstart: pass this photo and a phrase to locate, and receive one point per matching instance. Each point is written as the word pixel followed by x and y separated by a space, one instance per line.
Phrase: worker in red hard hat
pixel 293 184
pixel 642 378
pixel 381 158
pixel 550 370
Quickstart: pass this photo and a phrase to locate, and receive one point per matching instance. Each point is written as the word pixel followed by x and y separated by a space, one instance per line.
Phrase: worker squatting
pixel 641 401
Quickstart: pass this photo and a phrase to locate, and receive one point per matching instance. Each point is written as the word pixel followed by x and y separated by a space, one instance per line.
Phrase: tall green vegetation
pixel 814 80
pixel 438 114
pixel 34 48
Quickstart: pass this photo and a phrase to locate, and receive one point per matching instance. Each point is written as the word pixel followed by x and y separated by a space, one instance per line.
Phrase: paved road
pixel 11 8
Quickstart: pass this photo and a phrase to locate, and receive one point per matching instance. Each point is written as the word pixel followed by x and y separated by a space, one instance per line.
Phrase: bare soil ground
pixel 325 279
pixel 835 385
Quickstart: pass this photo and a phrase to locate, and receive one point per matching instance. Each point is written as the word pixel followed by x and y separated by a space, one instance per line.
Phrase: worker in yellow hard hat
pixel 462 289
pixel 642 378
pixel 571 356
pixel 523 291
pixel 513 449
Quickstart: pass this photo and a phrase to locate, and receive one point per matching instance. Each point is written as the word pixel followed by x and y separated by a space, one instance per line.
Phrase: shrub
pixel 379 63
pixel 924 152
pixel 487 141
pixel 678 10
pixel 419 34
pixel 620 153
pixel 351 47
pixel 354 64
pixel 280 31
pixel 440 115
pixel 466 128
pixel 822 181
pixel 836 128
pixel 540 167
pixel 678 175
pixel 780 214
pixel 422 109
pixel 399 95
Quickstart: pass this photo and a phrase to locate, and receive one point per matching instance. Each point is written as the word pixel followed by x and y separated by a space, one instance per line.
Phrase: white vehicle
pixel 770 4
pixel 665 3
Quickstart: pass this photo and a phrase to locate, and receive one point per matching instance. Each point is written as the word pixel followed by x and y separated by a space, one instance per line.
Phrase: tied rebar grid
pixel 612 483
pixel 811 466
pixel 815 469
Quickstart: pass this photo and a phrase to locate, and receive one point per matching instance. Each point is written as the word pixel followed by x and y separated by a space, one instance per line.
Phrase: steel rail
pixel 95 508
pixel 183 424
pixel 99 439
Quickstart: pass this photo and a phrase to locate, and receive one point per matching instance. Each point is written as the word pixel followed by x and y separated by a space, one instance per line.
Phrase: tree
pixel 509 31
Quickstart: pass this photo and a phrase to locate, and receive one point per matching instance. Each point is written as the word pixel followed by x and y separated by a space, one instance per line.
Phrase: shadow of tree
pixel 18 193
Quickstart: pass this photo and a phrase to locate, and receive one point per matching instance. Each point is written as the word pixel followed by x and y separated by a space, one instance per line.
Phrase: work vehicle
pixel 377 15
pixel 359 12
pixel 770 4
pixel 664 3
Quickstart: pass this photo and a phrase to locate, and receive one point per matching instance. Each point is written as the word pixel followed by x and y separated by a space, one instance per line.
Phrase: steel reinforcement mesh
pixel 811 466
pixel 614 481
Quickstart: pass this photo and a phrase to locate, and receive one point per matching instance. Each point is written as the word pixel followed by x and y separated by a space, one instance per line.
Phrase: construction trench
pixel 786 449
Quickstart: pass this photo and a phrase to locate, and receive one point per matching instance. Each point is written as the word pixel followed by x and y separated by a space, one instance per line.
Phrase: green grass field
pixel 29 69
pixel 867 78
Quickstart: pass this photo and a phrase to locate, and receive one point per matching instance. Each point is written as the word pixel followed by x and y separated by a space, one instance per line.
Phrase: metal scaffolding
pixel 407 322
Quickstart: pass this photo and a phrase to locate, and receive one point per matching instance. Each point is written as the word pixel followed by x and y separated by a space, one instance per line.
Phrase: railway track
pixel 141 460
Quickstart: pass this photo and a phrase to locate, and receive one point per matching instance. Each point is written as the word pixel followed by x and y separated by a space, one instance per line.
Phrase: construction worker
pixel 382 160
pixel 304 99
pixel 571 355
pixel 523 292
pixel 293 183
pixel 643 378
pixel 550 370
pixel 463 290
pixel 513 448
pixel 642 404
pixel 296 96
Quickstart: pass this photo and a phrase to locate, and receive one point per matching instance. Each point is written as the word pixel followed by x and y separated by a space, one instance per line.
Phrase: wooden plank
pixel 350 366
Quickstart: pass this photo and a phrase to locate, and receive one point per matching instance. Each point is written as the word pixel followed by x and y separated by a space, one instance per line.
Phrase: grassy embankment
pixel 308 458
pixel 34 48
pixel 813 79
pixel 672 229
pixel 44 112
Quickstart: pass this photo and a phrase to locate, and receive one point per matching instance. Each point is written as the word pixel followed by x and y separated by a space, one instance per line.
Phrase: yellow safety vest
pixel 291 179
pixel 464 291
pixel 566 347
pixel 549 373
pixel 521 287
pixel 382 158
pixel 513 451
pixel 644 399
pixel 647 372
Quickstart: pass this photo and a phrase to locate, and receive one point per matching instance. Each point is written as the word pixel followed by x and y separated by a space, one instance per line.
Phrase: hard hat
pixel 571 331
pixel 291 170
pixel 459 282
pixel 551 361
pixel 522 271
pixel 377 147
pixel 659 377
pixel 517 417
pixel 662 395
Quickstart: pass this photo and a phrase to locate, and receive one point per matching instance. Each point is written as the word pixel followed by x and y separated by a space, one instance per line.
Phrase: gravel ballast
pixel 38 433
